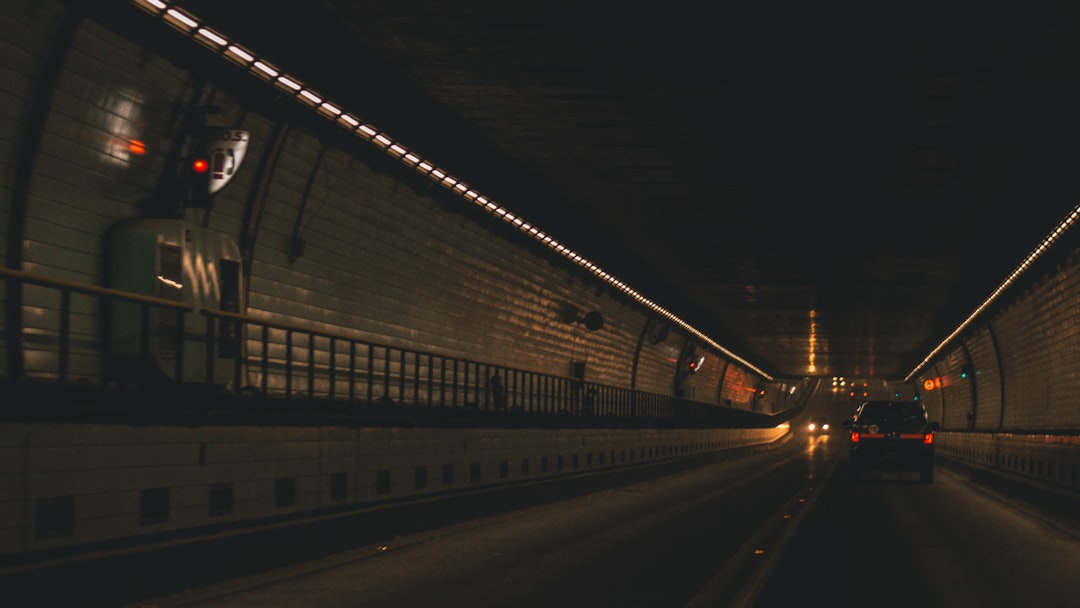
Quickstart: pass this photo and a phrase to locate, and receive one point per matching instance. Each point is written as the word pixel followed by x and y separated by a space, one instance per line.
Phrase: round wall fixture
pixel 593 320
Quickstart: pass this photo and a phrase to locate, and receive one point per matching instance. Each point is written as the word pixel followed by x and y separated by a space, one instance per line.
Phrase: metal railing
pixel 290 361
pixel 279 360
pixel 75 333
pixel 57 339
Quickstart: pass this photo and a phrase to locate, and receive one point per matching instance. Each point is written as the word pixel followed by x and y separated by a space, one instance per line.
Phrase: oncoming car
pixel 891 436
pixel 818 424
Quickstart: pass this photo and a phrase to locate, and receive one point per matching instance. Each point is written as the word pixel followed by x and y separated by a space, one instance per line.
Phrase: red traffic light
pixel 694 363
pixel 200 165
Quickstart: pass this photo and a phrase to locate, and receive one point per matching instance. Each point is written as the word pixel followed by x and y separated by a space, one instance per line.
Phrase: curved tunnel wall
pixel 1022 364
pixel 1017 410
pixel 382 259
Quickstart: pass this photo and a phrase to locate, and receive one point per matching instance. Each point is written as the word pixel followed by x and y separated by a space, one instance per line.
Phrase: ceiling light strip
pixel 188 24
pixel 1035 254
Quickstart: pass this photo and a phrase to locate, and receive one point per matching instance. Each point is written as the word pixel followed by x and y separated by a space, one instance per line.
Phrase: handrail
pixel 399 370
pixel 295 327
pixel 45 281
pixel 155 345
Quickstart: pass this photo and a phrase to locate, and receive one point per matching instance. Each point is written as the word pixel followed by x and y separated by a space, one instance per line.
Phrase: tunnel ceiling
pixel 836 183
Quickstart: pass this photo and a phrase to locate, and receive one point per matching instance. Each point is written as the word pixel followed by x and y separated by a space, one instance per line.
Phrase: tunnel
pixel 482 304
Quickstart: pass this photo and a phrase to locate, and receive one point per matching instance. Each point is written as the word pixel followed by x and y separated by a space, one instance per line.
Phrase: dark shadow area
pixel 1057 502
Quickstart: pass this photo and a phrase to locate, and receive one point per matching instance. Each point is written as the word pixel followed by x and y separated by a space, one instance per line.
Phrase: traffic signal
pixel 694 363
pixel 965 372
pixel 196 182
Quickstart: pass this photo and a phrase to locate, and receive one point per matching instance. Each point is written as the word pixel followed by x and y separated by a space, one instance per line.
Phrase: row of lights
pixel 189 25
pixel 1035 254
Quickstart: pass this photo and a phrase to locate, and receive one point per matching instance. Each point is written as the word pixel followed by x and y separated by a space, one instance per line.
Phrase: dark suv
pixel 891 436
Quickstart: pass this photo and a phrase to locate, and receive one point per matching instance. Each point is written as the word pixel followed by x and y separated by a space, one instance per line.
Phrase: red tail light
pixel 928 439
pixel 854 436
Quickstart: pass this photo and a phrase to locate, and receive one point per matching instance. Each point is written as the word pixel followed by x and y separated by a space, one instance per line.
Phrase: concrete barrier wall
pixel 71 485
pixel 1052 459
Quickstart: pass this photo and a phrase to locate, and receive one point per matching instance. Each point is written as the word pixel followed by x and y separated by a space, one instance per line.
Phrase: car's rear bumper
pixel 891 456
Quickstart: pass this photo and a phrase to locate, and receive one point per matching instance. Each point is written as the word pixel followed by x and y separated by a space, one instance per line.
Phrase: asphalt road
pixel 892 541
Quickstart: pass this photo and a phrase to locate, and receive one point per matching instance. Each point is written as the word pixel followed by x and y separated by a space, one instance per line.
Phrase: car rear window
pixel 889 411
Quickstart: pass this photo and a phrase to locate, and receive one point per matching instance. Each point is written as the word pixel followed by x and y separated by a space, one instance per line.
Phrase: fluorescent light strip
pixel 288 83
pixel 180 20
pixel 1045 244
pixel 188 24
pixel 153 6
pixel 245 58
pixel 211 36
pixel 265 69
pixel 329 109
